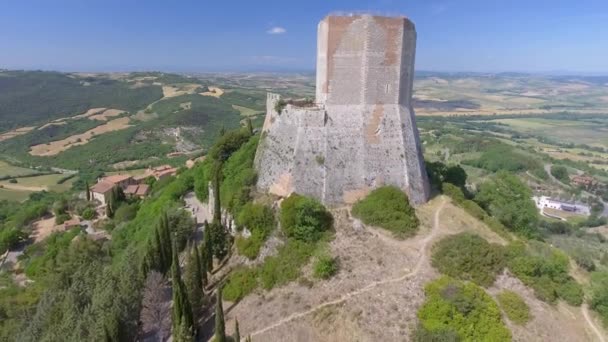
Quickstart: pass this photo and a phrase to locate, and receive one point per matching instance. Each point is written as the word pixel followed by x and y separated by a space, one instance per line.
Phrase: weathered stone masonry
pixel 361 132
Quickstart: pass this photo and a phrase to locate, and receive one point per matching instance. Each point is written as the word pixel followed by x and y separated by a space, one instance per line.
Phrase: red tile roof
pixel 115 178
pixel 102 187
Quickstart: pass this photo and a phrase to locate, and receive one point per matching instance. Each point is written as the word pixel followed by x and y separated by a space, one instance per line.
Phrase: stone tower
pixel 360 133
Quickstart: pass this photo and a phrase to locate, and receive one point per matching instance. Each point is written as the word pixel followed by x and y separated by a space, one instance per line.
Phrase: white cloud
pixel 277 30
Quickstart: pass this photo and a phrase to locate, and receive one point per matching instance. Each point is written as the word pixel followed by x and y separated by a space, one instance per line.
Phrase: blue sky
pixel 203 35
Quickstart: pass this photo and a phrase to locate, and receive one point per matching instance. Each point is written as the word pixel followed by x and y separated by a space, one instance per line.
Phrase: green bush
pixel 61 218
pixel 599 294
pixel 276 270
pixel 514 307
pixel 509 200
pixel 561 173
pixel 544 269
pixel 241 282
pixel 454 193
pixel 584 260
pixel 250 247
pixel 304 218
pixel 467 256
pixel 388 207
pixel 126 212
pixel 325 267
pixel 460 308
pixel 88 213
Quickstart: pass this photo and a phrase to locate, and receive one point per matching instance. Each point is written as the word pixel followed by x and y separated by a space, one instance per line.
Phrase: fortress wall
pixel 363 134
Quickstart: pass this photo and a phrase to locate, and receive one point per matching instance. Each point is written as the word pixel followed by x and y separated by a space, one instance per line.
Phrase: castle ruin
pixel 360 132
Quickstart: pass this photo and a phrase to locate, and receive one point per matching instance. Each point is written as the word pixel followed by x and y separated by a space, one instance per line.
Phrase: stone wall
pixel 362 133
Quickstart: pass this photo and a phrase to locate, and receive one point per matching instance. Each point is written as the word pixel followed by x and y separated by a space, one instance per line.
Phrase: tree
pixel 217 206
pixel 182 310
pixel 219 240
pixel 220 330
pixel 203 263
pixel 208 247
pixel 237 333
pixel 87 191
pixel 249 126
pixel 509 200
pixel 560 173
pixel 156 309
pixel 194 282
pixel 183 334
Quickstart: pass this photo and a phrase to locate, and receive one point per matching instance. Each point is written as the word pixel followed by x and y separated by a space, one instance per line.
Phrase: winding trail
pixel 594 328
pixel 371 286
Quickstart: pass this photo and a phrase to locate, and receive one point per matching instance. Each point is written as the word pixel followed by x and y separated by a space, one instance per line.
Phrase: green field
pixel 14 195
pixel 9 170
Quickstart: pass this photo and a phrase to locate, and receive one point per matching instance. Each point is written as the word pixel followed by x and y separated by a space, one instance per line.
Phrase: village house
pixel 158 172
pixel 543 202
pixel 103 189
pixel 583 180
pixel 137 190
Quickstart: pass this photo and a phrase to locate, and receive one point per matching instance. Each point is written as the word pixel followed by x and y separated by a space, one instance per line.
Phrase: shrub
pixel 259 219
pixel 514 307
pixel 126 212
pixel 510 201
pixel 468 257
pixel 463 309
pixel 454 193
pixel 61 218
pixel 285 266
pixel 388 207
pixel 599 294
pixel 88 213
pixel 584 260
pixel 325 267
pixel 241 282
pixel 250 247
pixel 561 173
pixel 544 269
pixel 304 218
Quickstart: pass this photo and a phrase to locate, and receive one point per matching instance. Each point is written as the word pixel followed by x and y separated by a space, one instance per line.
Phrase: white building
pixel 543 202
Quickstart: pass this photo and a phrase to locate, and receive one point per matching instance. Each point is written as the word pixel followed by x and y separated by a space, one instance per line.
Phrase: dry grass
pixel 45 227
pixel 15 133
pixel 58 146
pixel 213 91
pixel 548 323
pixel 379 288
pixel 106 114
pixel 180 89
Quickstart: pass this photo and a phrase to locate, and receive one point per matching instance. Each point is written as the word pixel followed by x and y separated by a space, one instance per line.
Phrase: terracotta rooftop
pixel 142 189
pixel 102 187
pixel 115 178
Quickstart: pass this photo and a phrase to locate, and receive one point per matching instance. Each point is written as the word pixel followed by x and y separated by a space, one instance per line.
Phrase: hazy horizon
pixel 555 37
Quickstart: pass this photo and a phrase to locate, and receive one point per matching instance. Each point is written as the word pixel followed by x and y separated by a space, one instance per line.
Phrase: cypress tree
pixel 194 282
pixel 203 262
pixel 182 311
pixel 183 334
pixel 88 191
pixel 208 246
pixel 249 126
pixel 220 330
pixel 217 206
pixel 159 250
pixel 166 239
pixel 237 334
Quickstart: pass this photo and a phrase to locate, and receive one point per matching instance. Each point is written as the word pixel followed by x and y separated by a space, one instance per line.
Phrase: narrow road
pixel 594 328
pixel 371 286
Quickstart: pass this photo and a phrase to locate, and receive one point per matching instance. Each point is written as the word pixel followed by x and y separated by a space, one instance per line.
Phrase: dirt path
pixel 591 324
pixel 423 256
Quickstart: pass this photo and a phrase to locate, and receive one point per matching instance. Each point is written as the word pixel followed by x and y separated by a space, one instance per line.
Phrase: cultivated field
pixel 9 170
pixel 55 147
